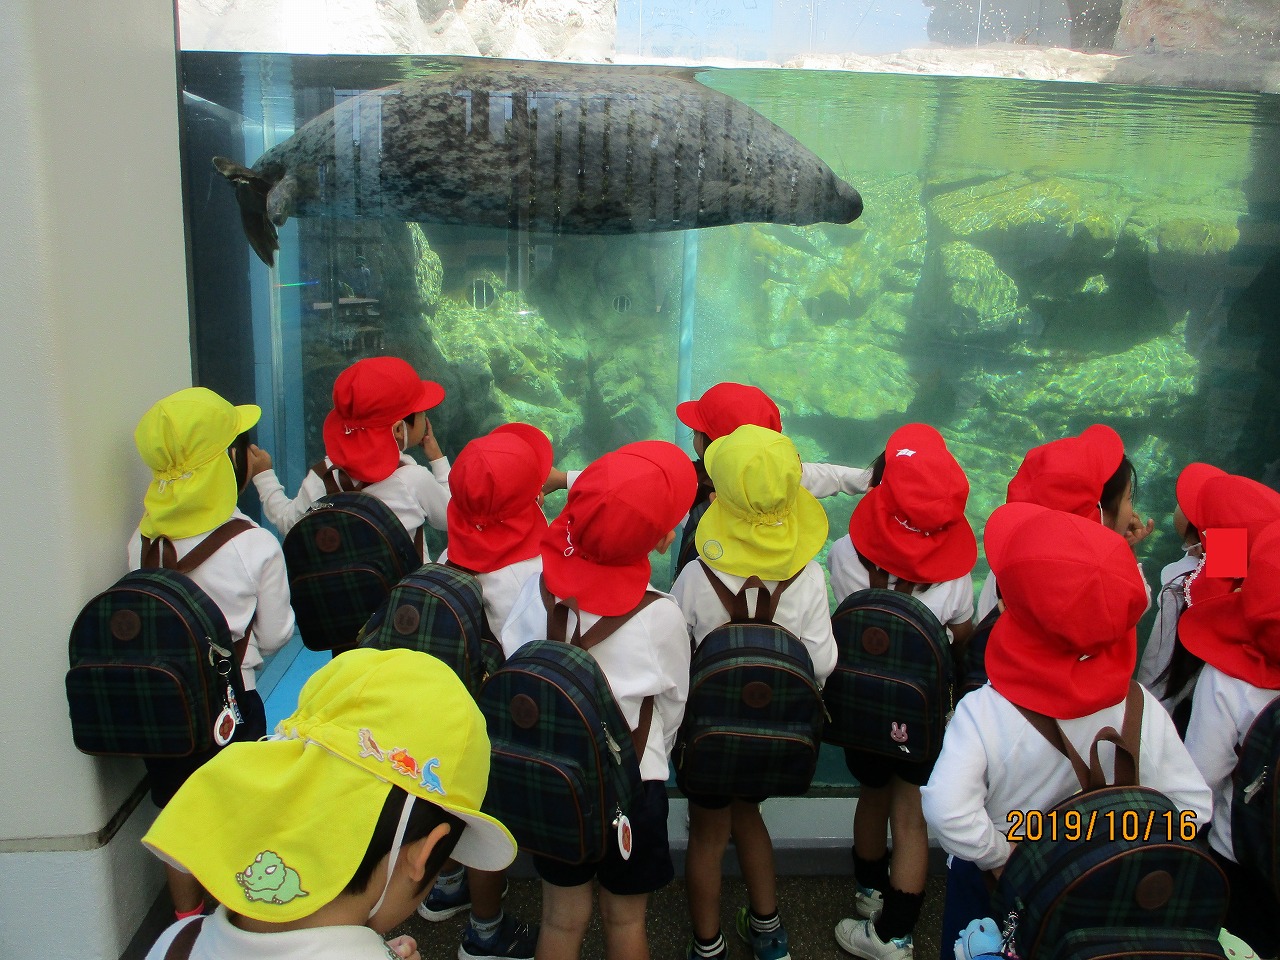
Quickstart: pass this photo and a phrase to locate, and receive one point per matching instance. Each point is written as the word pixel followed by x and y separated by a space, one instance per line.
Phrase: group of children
pixel 1070 593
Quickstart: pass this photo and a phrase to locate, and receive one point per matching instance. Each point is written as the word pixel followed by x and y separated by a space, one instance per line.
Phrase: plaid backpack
pixel 437 609
pixel 753 720
pixel 688 539
pixel 1112 871
pixel 565 766
pixel 153 672
pixel 1255 801
pixel 890 693
pixel 343 557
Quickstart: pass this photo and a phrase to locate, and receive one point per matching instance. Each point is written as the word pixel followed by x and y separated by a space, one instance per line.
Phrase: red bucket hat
pixel 1069 474
pixel 597 550
pixel 1187 491
pixel 494 516
pixel 1239 632
pixel 1067 642
pixel 369 398
pixel 726 407
pixel 913 524
pixel 1228 501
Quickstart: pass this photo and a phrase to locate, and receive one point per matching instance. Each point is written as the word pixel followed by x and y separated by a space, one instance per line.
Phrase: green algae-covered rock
pixel 1150 379
pixel 1173 228
pixel 976 295
pixel 428 271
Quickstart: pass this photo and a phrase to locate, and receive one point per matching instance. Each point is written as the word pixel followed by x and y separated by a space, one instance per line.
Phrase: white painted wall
pixel 93 308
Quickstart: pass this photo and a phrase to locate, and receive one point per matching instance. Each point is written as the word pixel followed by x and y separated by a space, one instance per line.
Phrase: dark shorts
pixel 875 771
pixel 650 867
pixel 718 801
pixel 167 774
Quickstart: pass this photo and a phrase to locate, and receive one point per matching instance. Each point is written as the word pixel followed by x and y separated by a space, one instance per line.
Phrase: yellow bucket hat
pixel 276 829
pixel 184 440
pixel 762 522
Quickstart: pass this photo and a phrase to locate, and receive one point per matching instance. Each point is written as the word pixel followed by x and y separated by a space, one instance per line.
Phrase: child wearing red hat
pixel 1237 635
pixel 379 413
pixel 1088 476
pixel 496 525
pixel 1064 647
pixel 761 523
pixel 910 527
pixel 595 560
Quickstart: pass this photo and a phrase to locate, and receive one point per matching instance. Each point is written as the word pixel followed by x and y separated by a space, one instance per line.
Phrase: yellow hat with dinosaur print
pixel 276 829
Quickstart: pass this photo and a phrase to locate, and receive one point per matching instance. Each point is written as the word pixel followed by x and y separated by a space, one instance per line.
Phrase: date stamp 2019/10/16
pixel 1110 825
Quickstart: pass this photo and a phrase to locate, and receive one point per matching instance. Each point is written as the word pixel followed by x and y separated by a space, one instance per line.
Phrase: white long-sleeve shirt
pixel 220 939
pixel 1222 711
pixel 1158 652
pixel 993 762
pixel 500 588
pixel 648 656
pixel 802 609
pixel 415 494
pixel 246 578
pixel 950 601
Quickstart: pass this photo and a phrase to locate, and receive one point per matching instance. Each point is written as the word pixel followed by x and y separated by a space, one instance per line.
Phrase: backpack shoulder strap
pixel 879 577
pixel 335 479
pixel 160 552
pixel 735 604
pixel 1126 744
pixel 185 941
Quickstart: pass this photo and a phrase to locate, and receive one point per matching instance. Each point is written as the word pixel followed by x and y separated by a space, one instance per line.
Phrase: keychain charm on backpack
pixel 625 837
pixel 229 717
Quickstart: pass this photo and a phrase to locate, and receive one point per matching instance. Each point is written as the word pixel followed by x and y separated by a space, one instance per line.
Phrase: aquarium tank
pixel 1033 256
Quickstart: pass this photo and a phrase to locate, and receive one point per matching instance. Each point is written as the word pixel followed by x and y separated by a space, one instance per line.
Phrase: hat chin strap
pixel 394 855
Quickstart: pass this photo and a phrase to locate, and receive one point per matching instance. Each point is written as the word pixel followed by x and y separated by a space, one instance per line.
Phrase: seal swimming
pixel 545 148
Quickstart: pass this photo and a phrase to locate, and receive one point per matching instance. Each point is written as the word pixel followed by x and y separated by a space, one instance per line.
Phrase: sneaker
pixel 859 937
pixel 764 946
pixel 515 940
pixel 690 952
pixel 441 906
pixel 868 903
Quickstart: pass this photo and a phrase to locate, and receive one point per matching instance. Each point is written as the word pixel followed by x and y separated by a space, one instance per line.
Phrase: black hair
pixel 877 470
pixel 423 818
pixel 1113 490
pixel 240 459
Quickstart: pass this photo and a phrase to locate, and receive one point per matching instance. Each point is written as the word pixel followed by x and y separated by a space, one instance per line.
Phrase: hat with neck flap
pixel 184 440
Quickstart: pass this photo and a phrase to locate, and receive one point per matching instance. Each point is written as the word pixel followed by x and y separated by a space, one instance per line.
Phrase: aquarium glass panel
pixel 1033 257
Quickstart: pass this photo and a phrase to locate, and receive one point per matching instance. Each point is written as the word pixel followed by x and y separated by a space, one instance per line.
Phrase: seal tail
pixel 252 191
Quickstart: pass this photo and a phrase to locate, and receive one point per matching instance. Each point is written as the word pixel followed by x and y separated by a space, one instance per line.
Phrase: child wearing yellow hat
pixel 379 414
pixel 320 840
pixel 185 440
pixel 761 523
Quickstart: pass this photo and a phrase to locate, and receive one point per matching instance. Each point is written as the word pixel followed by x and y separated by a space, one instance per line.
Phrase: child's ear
pixel 419 852
pixel 665 543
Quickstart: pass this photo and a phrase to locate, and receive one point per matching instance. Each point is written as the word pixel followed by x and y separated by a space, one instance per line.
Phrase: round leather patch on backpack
pixel 406 619
pixel 1154 890
pixel 125 625
pixel 757 694
pixel 524 711
pixel 875 641
pixel 328 539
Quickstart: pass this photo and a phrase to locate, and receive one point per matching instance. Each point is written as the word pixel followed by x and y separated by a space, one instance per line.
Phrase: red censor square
pixel 1226 552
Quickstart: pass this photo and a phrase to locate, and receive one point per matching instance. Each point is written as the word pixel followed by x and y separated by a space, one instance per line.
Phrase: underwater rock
pixel 428 271
pixel 543 147
pixel 1165 227
pixel 975 296
pixel 1149 380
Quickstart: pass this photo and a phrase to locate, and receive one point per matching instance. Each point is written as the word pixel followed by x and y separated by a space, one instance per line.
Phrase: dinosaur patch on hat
pixel 270 880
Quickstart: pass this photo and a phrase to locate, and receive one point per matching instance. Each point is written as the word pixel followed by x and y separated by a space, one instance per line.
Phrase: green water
pixel 1033 257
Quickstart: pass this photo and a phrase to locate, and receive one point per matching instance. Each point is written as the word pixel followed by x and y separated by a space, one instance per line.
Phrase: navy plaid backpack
pixel 565 767
pixel 971 659
pixel 437 609
pixel 890 693
pixel 753 721
pixel 343 557
pixel 1114 870
pixel 1255 801
pixel 153 672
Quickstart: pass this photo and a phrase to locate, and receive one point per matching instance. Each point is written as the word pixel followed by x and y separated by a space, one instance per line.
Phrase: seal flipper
pixel 252 190
pixel 280 200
